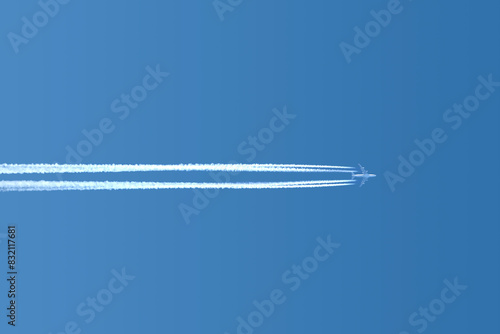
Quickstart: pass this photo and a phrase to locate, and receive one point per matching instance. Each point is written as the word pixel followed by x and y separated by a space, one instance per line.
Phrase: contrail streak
pixel 111 185
pixel 32 185
pixel 112 168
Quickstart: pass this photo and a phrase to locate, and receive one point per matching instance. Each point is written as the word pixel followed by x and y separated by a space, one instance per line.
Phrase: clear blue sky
pixel 91 65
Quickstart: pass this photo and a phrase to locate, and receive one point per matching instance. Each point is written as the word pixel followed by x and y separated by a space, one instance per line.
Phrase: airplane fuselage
pixel 364 176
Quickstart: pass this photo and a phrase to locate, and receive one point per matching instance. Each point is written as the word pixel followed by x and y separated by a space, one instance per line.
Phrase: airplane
pixel 365 176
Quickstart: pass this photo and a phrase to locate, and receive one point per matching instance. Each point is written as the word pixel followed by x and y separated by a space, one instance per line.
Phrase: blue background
pixel 225 79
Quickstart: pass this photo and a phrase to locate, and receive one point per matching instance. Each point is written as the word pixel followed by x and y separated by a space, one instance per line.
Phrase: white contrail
pixel 112 168
pixel 112 185
pixel 31 185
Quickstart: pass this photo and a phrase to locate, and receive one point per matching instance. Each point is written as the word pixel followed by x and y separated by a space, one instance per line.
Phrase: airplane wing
pixel 362 182
pixel 362 169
